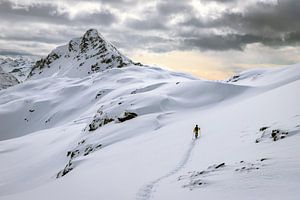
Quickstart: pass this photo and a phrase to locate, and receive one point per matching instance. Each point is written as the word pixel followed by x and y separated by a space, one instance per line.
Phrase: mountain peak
pixel 92 37
pixel 91 34
pixel 82 56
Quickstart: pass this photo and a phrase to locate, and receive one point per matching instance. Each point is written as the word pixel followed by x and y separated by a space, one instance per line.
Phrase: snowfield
pixel 125 131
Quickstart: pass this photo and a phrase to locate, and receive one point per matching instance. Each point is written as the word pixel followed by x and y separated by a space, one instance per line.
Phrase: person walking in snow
pixel 196 131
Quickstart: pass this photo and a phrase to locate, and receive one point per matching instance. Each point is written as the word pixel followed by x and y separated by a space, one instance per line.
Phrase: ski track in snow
pixel 146 192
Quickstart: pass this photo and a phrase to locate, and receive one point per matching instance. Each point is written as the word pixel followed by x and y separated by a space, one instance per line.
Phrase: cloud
pixel 36 12
pixel 144 42
pixel 4 52
pixel 155 25
pixel 214 42
pixel 146 24
pixel 52 14
pixel 265 23
pixel 167 7
pixel 218 1
pixel 105 18
pixel 235 41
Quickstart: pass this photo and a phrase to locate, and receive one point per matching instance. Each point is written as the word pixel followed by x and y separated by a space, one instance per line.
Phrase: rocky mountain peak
pixel 92 35
pixel 92 40
pixel 82 56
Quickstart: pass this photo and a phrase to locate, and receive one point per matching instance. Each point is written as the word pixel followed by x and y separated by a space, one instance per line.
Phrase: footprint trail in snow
pixel 147 190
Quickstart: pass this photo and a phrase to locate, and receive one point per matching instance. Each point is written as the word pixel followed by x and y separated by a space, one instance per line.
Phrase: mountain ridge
pixel 82 56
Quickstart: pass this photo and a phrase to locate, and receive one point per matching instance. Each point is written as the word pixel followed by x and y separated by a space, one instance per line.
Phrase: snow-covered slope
pixel 267 77
pixel 126 133
pixel 80 57
pixel 50 102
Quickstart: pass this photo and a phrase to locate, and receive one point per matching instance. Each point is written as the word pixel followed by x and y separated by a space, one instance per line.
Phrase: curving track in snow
pixel 146 192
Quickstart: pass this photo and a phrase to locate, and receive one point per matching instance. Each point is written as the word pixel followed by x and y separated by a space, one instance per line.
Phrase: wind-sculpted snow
pixel 272 77
pixel 51 102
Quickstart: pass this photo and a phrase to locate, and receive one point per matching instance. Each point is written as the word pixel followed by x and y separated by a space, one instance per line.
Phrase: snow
pixel 19 66
pixel 267 77
pixel 153 155
pixel 79 58
pixel 7 80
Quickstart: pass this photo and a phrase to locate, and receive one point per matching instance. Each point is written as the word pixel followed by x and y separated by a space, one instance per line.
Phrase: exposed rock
pixel 263 128
pixel 44 62
pixel 278 134
pixel 235 78
pixel 220 165
pixel 95 123
pixel 98 121
pixel 274 134
pixel 69 167
pixel 88 150
pixel 127 116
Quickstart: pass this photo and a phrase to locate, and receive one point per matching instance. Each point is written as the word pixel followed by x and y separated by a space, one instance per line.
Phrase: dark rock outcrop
pixel 127 116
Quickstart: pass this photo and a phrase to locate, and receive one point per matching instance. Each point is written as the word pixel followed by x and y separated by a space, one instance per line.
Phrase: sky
pixel 212 39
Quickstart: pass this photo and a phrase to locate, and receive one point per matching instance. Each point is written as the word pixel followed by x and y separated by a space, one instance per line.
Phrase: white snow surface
pixel 154 155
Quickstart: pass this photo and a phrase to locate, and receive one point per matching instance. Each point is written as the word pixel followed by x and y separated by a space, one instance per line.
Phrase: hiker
pixel 196 131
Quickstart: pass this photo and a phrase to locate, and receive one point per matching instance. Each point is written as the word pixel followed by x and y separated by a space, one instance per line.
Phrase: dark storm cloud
pixel 49 13
pixel 281 18
pixel 265 23
pixel 225 42
pixel 36 12
pixel 262 17
pixel 4 52
pixel 213 42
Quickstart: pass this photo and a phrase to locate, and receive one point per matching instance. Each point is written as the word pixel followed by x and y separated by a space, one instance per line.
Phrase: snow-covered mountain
pixel 7 80
pixel 80 57
pixel 19 67
pixel 125 131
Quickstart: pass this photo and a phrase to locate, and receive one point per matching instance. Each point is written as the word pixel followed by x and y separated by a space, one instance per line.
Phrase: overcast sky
pixel 209 38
